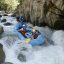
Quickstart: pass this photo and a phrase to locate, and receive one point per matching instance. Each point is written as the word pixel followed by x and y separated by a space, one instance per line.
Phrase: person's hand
pixel 20 30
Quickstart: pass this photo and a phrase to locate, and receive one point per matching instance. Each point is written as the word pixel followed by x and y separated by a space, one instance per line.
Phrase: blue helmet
pixel 22 19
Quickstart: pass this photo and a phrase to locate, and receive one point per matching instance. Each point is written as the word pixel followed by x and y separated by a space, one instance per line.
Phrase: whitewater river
pixel 12 46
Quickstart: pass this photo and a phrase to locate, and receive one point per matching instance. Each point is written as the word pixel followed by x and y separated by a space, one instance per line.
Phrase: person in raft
pixel 21 28
pixel 27 33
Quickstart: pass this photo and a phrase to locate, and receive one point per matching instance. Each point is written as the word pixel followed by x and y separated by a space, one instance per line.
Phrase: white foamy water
pixel 8 30
pixel 58 38
pixel 52 54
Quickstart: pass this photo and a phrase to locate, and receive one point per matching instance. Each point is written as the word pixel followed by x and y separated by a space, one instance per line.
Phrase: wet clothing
pixel 18 26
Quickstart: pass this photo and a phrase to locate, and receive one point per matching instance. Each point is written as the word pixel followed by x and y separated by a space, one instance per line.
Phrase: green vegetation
pixel 8 5
pixel 20 1
pixel 3 6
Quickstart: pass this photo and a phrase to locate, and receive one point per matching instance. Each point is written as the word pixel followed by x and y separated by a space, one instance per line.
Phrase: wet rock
pixel 13 15
pixel 22 57
pixel 59 25
pixel 5 15
pixel 4 20
pixel 2 54
pixel 0 16
pixel 7 63
pixel 8 24
pixel 1 30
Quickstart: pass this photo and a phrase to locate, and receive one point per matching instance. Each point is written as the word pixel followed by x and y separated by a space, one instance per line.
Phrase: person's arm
pixel 19 30
pixel 18 27
pixel 29 29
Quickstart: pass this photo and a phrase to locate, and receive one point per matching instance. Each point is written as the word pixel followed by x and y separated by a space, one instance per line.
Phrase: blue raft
pixel 40 40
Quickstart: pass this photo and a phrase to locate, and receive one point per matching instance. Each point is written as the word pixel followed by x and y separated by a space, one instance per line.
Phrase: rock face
pixel 39 11
pixel 59 25
pixel 1 30
pixel 2 54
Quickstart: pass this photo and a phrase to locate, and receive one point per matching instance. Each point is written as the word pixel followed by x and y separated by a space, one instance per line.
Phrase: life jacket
pixel 35 34
pixel 23 32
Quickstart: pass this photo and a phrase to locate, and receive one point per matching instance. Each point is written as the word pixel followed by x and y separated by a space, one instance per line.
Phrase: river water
pixel 12 46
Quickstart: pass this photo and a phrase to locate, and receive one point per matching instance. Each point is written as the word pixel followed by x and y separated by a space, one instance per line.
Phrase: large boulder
pixel 1 30
pixel 2 54
pixel 41 11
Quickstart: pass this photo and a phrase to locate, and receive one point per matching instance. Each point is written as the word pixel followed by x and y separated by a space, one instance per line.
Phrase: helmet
pixel 22 19
pixel 33 30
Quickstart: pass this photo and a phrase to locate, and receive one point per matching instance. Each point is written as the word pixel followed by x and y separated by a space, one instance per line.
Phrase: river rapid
pixel 12 46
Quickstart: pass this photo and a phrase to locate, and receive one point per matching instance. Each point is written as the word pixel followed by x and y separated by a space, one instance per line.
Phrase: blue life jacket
pixel 22 19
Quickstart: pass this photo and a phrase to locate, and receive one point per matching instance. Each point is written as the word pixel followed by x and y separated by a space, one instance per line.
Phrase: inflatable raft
pixel 34 37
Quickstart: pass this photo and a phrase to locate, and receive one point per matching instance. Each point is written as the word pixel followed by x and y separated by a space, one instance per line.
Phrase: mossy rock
pixel 1 30
pixel 2 54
